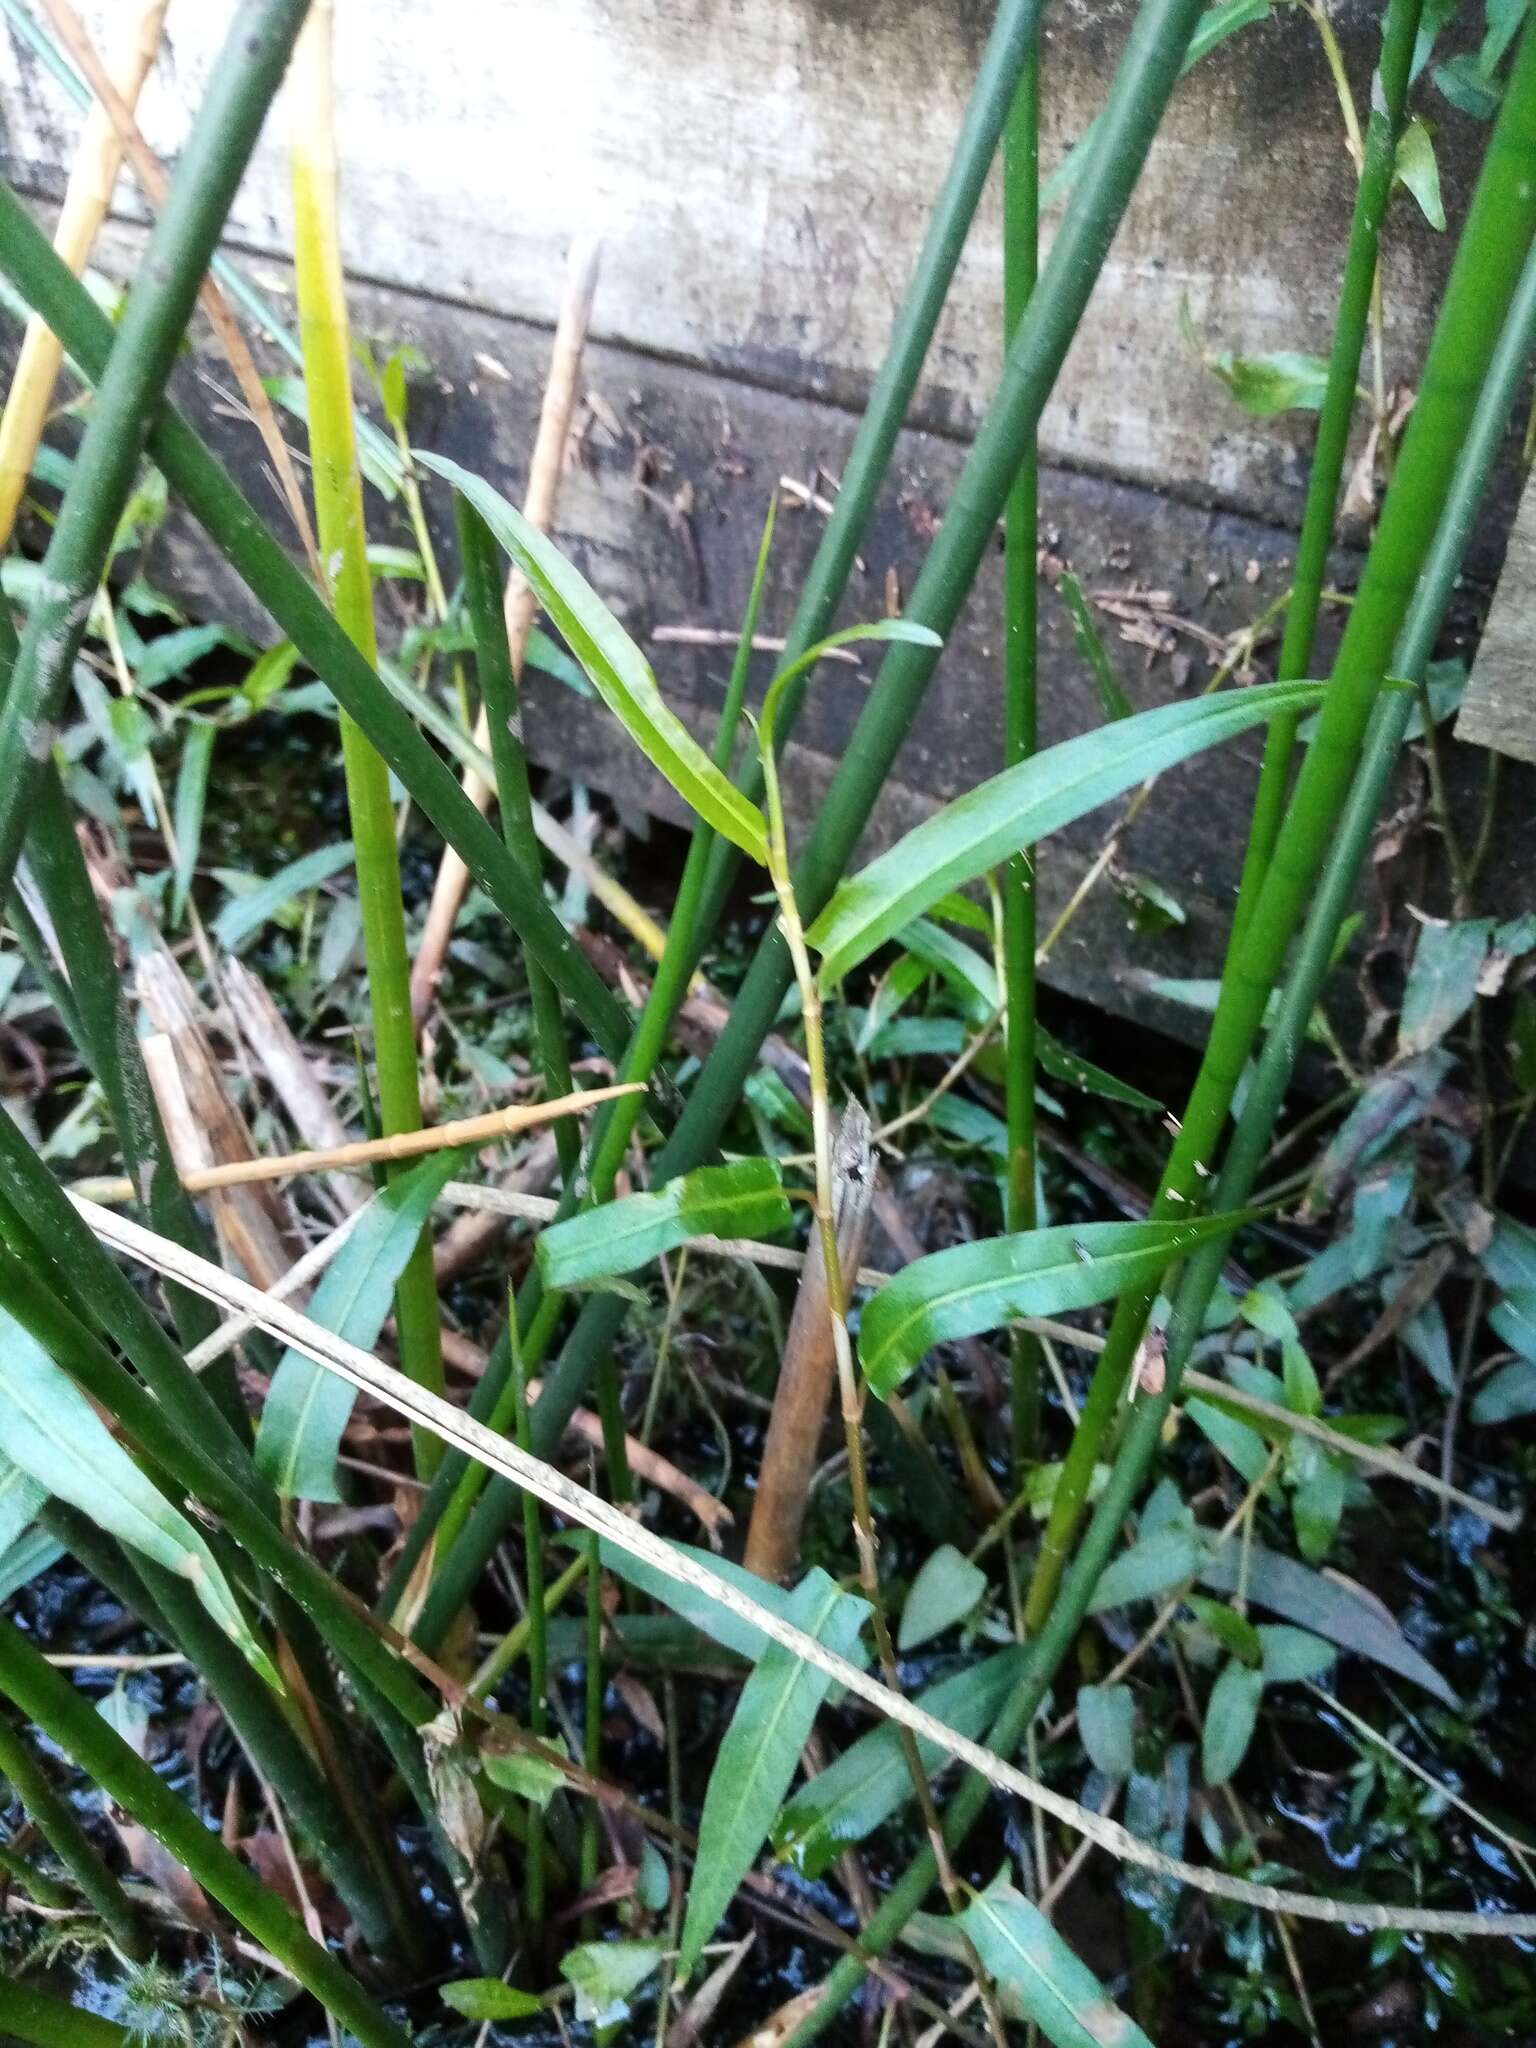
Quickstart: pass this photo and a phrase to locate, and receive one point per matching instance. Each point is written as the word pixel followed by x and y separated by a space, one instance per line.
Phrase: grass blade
pixel 1059 1994
pixel 1024 803
pixel 307 1409
pixel 49 1430
pixel 974 1287
pixel 743 1199
pixel 761 1753
pixel 617 669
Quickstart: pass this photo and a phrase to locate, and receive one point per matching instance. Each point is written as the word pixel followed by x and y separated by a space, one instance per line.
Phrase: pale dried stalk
pixel 86 199
pixel 287 1066
pixel 152 178
pixel 417 1405
pixel 654 1469
pixel 299 1274
pixel 469 1130
pixel 544 474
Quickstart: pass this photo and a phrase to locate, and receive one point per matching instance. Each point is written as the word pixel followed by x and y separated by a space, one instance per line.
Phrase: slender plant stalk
pixel 46 2022
pixel 517 1638
pixel 1147 75
pixel 236 528
pixel 50 1815
pixel 460 1483
pixel 1389 99
pixel 1498 231
pixel 243 80
pixel 825 1211
pixel 87 196
pixel 69 1719
pixel 481 561
pixel 1021 260
pixel 1139 1445
pixel 338 486
pixel 538 1660
pixel 592 1716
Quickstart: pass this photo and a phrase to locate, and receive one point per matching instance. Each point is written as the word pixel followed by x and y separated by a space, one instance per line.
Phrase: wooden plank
pixel 760 175
pixel 1499 708
pixel 725 445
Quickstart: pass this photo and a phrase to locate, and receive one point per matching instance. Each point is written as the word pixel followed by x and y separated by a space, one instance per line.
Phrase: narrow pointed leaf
pixel 619 672
pixel 983 828
pixel 191 794
pixel 308 1408
pixel 1230 1717
pixel 244 915
pixel 870 1781
pixel 1020 1949
pixel 1106 1720
pixel 975 1287
pixel 50 1431
pixel 761 1753
pixel 743 1199
pixel 947 1589
pixel 20 1499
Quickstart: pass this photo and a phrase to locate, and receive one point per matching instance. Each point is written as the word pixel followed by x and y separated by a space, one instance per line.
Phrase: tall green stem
pixel 1021 258
pixel 460 1483
pixel 343 538
pixel 244 78
pixel 69 1719
pixel 1261 1104
pixel 51 1816
pixel 1146 77
pixel 1389 99
pixel 237 529
pixel 35 2017
pixel 481 563
pixel 1497 234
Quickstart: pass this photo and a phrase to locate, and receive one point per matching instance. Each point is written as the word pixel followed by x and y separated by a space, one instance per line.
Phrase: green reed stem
pixel 35 2017
pixel 343 540
pixel 1146 77
pixel 244 78
pixel 1266 1090
pixel 69 1719
pixel 481 562
pixel 461 1482
pixel 50 1815
pixel 592 1718
pixel 538 1655
pixel 1389 99
pixel 1021 263
pixel 237 529
pixel 1494 240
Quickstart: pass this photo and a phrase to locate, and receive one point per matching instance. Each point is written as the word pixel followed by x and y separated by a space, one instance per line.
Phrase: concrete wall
pixel 760 175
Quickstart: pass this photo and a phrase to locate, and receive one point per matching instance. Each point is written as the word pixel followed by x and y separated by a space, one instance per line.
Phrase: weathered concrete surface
pixel 762 178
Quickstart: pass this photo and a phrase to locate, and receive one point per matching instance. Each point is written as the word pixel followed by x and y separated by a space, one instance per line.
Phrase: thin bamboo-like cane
pixel 429 1411
pixel 544 474
pixel 468 1130
pixel 86 199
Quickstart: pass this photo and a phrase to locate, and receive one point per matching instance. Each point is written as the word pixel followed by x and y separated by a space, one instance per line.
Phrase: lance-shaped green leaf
pixel 51 1432
pixel 307 1408
pixel 983 828
pixel 761 1752
pixel 1020 1948
pixel 604 1975
pixel 743 1199
pixel 1231 1714
pixel 974 1287
pixel 947 1588
pixel 618 671
pixel 244 914
pixel 870 1781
